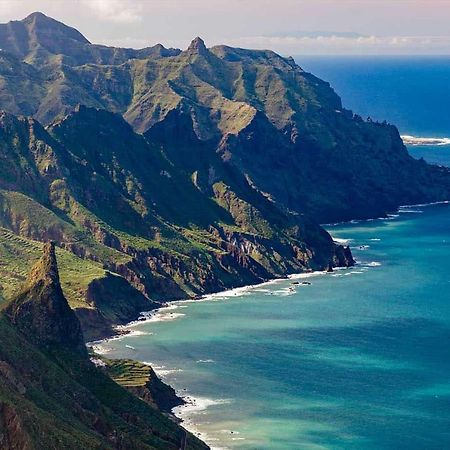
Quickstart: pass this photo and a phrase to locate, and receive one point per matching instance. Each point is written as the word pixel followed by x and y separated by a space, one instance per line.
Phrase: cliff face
pixel 52 396
pixel 167 225
pixel 141 380
pixel 184 172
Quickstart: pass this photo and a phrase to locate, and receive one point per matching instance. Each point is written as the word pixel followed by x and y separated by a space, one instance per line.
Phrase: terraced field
pixel 128 373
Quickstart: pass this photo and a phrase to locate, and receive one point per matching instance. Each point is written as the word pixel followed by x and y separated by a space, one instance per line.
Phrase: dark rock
pixel 197 46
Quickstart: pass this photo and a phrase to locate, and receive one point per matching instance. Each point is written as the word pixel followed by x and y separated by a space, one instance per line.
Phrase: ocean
pixel 357 359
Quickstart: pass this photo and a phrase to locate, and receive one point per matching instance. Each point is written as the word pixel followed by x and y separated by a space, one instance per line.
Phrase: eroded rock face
pixel 343 257
pixel 13 436
pixel 41 311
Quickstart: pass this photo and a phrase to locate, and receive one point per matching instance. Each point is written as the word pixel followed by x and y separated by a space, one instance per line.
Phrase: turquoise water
pixel 359 359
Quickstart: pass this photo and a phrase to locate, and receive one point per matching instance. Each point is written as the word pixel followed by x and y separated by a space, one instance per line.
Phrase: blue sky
pixel 287 26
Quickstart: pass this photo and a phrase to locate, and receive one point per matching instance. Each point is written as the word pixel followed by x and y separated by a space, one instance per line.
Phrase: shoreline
pixel 122 330
pixel 193 404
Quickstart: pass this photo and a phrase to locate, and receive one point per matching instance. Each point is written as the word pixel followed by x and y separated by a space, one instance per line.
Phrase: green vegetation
pixel 19 254
pixel 128 373
pixel 52 396
pixel 171 174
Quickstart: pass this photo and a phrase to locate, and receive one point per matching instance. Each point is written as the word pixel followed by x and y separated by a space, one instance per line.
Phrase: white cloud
pixel 326 44
pixel 118 11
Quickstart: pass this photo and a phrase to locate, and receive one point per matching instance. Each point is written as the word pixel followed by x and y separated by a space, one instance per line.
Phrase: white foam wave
pixel 444 202
pixel 424 141
pixel 137 333
pixel 161 371
pixel 197 404
pixel 373 264
pixel 409 210
pixel 342 241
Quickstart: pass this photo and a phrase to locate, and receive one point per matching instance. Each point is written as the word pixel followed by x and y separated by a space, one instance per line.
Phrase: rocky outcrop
pixel 343 257
pixel 13 436
pixel 41 311
pixel 163 395
pixel 141 380
pixel 53 397
pixel 112 301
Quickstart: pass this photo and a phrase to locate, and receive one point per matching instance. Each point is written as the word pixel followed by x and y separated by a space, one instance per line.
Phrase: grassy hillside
pixel 51 395
pixel 18 255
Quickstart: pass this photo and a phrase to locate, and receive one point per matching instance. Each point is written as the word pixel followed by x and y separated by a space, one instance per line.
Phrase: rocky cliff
pixel 170 226
pixel 53 397
pixel 181 173
pixel 41 311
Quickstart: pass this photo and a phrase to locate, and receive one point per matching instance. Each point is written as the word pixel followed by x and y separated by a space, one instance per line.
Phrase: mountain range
pixel 164 174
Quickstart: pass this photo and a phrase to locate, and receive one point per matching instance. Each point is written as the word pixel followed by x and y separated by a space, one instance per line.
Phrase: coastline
pixel 185 413
pixel 192 405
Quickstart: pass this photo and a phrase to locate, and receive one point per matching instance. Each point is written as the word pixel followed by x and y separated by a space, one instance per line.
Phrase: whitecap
pixel 197 404
pixel 341 241
pixel 404 210
pixel 425 141
pixel 161 371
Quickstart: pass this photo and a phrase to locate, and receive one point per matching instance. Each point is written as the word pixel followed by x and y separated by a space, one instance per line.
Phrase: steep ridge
pixel 171 225
pixel 41 311
pixel 185 172
pixel 257 109
pixel 51 395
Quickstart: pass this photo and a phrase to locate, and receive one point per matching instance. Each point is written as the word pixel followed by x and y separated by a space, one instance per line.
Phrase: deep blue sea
pixel 359 359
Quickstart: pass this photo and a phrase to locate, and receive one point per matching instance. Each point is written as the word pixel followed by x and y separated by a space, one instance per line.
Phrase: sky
pixel 290 27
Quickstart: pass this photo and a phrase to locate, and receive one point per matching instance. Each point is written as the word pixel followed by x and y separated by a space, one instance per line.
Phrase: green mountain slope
pixel 160 174
pixel 51 395
pixel 184 172
pixel 146 213
pixel 256 109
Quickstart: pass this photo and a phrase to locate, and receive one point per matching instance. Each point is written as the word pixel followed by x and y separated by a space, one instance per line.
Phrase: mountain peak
pixel 49 27
pixel 197 46
pixel 35 15
pixel 47 268
pixel 41 311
